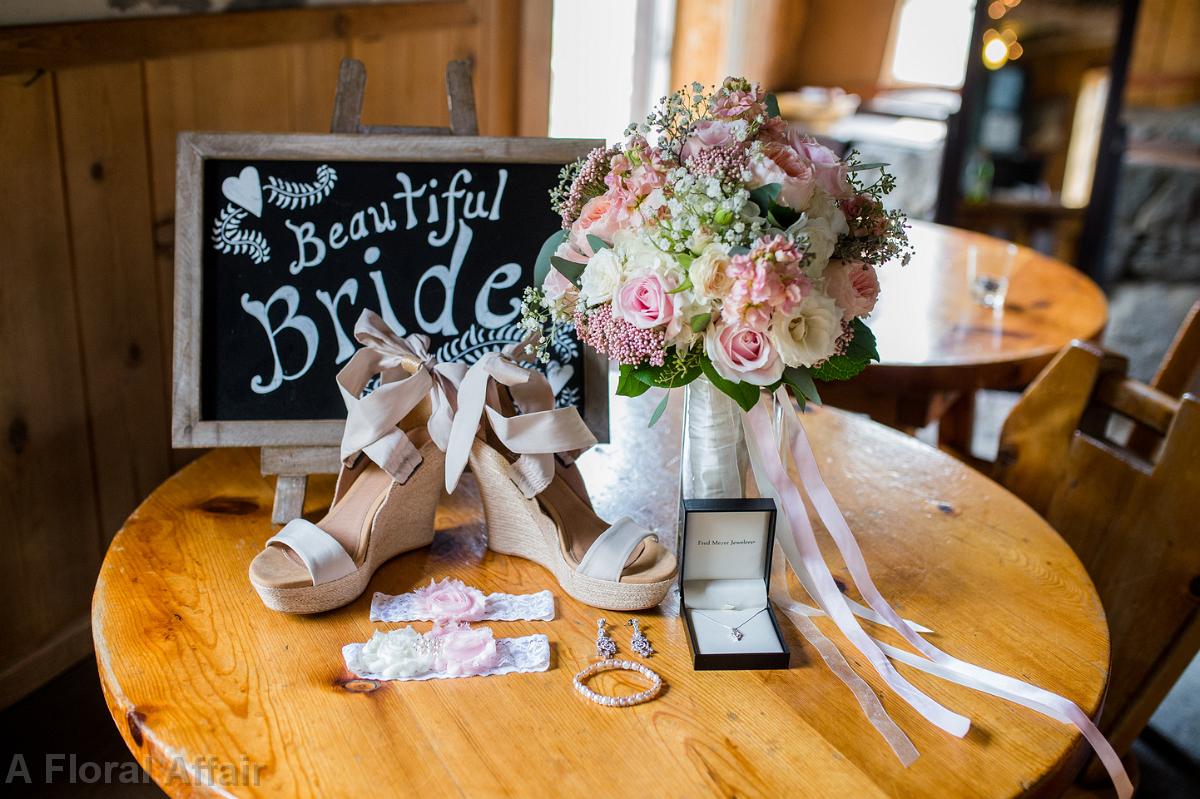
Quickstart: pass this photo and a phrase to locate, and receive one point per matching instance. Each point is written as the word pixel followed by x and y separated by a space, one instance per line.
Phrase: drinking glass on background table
pixel 988 275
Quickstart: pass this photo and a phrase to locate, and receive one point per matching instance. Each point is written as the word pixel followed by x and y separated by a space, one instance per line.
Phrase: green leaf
pixel 802 385
pixel 785 217
pixel 598 243
pixel 864 167
pixel 665 377
pixel 658 412
pixel 863 344
pixel 684 286
pixel 860 352
pixel 541 267
pixel 772 105
pixel 744 394
pixel 738 249
pixel 571 270
pixel 628 385
pixel 763 196
pixel 700 321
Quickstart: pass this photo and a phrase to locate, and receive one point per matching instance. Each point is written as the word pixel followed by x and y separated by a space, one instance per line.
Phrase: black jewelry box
pixel 724 582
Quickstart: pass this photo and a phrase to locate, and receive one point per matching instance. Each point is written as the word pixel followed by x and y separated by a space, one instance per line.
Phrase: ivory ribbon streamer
pixel 799 545
pixel 867 700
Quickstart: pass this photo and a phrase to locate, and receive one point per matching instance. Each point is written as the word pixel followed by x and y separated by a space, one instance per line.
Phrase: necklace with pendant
pixel 735 632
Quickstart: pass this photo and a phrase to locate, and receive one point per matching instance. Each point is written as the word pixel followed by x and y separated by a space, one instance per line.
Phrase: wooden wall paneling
pixel 1165 65
pixel 406 75
pixel 47 496
pixel 29 47
pixel 497 89
pixel 107 181
pixel 844 47
pixel 533 103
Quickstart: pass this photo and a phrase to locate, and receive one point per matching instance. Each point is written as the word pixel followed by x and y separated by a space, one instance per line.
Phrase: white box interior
pixel 724 581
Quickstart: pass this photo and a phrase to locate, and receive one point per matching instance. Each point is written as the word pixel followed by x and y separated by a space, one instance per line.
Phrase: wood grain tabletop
pixel 933 335
pixel 196 671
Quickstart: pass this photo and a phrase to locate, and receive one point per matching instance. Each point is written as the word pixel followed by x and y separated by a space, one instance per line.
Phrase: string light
pixel 1000 47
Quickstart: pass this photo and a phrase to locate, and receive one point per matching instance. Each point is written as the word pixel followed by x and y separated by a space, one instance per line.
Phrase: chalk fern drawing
pixel 229 238
pixel 478 341
pixel 564 343
pixel 568 396
pixel 290 195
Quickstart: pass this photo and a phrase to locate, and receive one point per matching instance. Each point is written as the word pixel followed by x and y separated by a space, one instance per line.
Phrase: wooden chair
pixel 1133 521
pixel 1179 372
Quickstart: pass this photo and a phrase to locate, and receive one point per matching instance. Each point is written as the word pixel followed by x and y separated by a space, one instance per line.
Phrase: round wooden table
pixel 937 346
pixel 197 671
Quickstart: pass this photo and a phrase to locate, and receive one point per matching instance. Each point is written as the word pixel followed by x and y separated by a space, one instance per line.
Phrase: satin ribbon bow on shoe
pixel 530 509
pixel 408 374
pixel 384 504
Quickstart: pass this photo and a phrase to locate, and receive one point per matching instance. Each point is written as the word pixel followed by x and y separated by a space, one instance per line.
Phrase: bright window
pixel 930 40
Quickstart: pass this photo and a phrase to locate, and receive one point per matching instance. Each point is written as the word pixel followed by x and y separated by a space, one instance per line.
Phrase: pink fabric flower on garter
pixel 449 601
pixel 463 651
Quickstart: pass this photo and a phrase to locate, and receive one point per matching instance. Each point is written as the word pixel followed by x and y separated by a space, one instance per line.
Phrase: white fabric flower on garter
pixel 399 653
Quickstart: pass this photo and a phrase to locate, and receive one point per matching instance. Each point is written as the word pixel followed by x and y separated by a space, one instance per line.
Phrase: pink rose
pixel 783 165
pixel 463 651
pixel 854 286
pixel 449 600
pixel 706 134
pixel 831 172
pixel 742 354
pixel 600 217
pixel 557 287
pixel 643 302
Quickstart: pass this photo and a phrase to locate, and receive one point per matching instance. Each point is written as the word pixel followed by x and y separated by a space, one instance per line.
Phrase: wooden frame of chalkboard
pixel 191 427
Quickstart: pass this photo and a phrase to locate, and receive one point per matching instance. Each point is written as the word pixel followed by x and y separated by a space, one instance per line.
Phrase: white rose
pixel 823 223
pixel 601 277
pixel 399 653
pixel 641 257
pixel 821 241
pixel 808 335
pixel 707 273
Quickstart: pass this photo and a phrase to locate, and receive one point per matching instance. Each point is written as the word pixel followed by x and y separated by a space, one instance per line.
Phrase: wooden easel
pixel 293 465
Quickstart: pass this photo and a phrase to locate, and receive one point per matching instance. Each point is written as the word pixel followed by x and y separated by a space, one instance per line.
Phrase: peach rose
pixel 600 217
pixel 830 171
pixel 854 286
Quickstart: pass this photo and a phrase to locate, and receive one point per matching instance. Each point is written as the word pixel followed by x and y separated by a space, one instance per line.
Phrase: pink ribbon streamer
pixel 931 660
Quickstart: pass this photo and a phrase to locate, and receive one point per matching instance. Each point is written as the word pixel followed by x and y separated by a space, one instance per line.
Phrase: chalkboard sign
pixel 283 240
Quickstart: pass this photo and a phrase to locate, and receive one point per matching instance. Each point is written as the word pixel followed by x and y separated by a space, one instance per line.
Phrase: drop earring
pixel 640 644
pixel 606 647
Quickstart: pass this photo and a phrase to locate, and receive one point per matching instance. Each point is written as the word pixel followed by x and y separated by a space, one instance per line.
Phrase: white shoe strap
pixel 606 558
pixel 321 553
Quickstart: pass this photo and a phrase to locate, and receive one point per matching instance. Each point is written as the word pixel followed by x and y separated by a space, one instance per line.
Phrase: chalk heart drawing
pixel 245 190
pixel 559 375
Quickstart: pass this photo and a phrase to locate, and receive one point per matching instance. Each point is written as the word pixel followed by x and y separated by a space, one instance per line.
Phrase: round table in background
pixel 196 671
pixel 937 346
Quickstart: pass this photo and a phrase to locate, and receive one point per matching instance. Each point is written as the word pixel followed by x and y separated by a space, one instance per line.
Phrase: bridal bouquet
pixel 715 241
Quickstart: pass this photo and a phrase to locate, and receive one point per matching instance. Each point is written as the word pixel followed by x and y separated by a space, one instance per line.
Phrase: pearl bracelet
pixel 592 670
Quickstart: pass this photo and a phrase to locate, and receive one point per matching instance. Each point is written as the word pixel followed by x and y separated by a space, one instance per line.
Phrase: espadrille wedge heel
pixel 534 504
pixel 393 469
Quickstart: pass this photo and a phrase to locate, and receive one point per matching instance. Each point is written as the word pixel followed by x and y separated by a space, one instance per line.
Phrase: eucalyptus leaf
pixel 772 105
pixel 598 243
pixel 541 267
pixel 571 270
pixel 658 411
pixel 802 384
pixel 763 196
pixel 864 167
